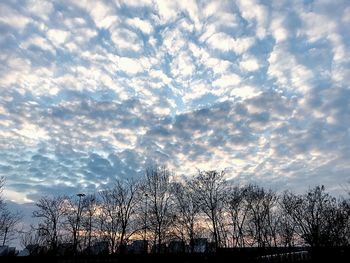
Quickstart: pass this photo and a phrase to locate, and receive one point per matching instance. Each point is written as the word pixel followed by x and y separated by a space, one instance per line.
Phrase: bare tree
pixel 8 220
pixel 117 209
pixel 109 218
pixel 235 203
pixel 209 188
pixel 8 225
pixel 343 222
pixel 51 212
pixel 73 209
pixel 32 238
pixel 187 211
pixel 126 195
pixel 262 219
pixel 89 218
pixel 286 230
pixel 157 188
pixel 318 218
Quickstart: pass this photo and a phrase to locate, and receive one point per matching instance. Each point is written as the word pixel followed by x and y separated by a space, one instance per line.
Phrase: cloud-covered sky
pixel 91 90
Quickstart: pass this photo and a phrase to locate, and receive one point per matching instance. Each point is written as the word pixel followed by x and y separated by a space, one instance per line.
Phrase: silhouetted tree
pixel 51 212
pixel 8 220
pixel 89 219
pixel 259 204
pixel 286 226
pixel 8 225
pixel 317 216
pixel 126 194
pixel 157 187
pixel 32 238
pixel 239 216
pixel 209 188
pixel 109 218
pixel 117 209
pixel 73 209
pixel 186 211
pixel 235 203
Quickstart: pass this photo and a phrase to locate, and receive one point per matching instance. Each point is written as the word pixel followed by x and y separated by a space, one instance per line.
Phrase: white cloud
pixel 317 26
pixel 39 42
pixel 99 13
pixel 226 19
pixel 182 66
pixel 218 66
pixel 227 81
pixel 128 65
pixel 211 8
pixel 186 25
pixel 339 49
pixel 159 74
pixel 40 8
pixel 322 27
pixel 32 132
pixel 191 8
pixel 209 30
pixel 16 196
pixel 167 10
pixel 57 36
pixel 126 39
pixel 249 64
pixel 225 42
pixel 12 17
pixel 108 22
pixel 288 73
pixel 245 92
pixel 173 41
pixel 250 10
pixel 161 110
pixel 195 90
pixel 140 24
pixel 278 30
pixel 79 37
pixel 137 3
pixel 346 15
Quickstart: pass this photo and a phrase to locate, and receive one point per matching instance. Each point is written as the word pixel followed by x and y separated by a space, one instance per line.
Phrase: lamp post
pixel 80 195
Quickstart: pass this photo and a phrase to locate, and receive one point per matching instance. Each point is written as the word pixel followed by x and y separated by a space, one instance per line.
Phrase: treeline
pixel 160 208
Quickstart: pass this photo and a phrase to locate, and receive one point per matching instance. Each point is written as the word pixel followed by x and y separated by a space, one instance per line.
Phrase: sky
pixel 94 90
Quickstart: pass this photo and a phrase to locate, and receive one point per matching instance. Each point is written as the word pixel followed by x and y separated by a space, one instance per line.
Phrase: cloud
pixel 41 8
pixel 39 42
pixel 126 40
pixel 224 42
pixel 288 73
pixel 94 90
pixel 254 12
pixel 128 65
pixel 12 17
pixel 182 66
pixel 278 30
pixel 140 24
pixel 167 10
pixel 227 80
pixel 100 12
pixel 249 64
pixel 57 36
pixel 245 92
